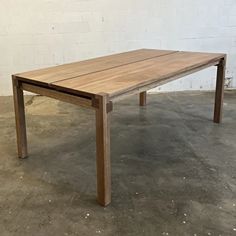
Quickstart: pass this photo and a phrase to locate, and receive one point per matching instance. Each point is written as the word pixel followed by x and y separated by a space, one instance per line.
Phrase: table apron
pixel 62 96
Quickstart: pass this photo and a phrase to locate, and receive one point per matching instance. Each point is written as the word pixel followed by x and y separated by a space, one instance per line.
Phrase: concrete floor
pixel 173 169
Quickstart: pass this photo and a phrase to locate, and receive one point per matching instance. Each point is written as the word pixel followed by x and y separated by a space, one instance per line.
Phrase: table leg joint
pixel 96 104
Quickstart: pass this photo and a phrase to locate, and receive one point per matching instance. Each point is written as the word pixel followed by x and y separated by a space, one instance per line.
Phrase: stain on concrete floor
pixel 173 169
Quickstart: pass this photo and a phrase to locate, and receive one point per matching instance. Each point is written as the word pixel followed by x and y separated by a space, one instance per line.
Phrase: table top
pixel 119 73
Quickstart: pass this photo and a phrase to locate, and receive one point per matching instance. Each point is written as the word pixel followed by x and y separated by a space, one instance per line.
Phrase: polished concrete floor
pixel 173 169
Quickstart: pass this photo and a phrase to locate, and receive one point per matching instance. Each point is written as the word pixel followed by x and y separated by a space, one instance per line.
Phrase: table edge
pixel 130 91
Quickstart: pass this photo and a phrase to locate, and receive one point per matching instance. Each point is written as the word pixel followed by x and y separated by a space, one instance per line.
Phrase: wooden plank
pixel 76 69
pixel 20 119
pixel 144 87
pixel 219 94
pixel 118 80
pixel 103 151
pixel 73 99
pixel 143 98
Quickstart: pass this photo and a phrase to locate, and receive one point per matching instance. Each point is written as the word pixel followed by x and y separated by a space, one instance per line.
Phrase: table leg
pixel 219 94
pixel 20 119
pixel 143 99
pixel 103 151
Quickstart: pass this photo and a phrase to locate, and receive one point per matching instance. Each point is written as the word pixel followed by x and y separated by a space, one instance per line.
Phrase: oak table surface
pixel 97 83
pixel 119 73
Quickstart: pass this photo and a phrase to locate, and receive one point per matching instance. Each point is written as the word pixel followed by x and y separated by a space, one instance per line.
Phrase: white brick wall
pixel 42 33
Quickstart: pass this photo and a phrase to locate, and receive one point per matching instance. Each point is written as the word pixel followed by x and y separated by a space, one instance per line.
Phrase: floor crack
pixel 31 100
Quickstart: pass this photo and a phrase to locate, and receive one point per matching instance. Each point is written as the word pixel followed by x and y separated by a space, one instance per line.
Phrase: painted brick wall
pixel 43 33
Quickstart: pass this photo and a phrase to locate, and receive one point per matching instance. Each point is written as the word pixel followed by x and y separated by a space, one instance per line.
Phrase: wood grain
pixel 20 119
pixel 143 98
pixel 103 151
pixel 219 95
pixel 119 74
pixel 67 71
pixel 116 81
pixel 76 100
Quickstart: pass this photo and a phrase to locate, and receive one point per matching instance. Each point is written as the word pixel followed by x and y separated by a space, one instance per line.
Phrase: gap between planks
pixel 167 54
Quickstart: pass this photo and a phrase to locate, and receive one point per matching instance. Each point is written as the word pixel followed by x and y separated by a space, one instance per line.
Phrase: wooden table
pixel 98 82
